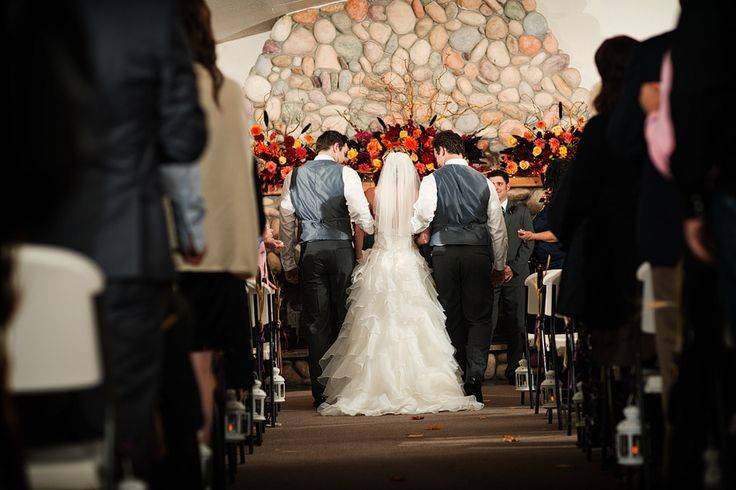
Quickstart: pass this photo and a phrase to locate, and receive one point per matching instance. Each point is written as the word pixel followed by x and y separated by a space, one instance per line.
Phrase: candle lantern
pixel 547 391
pixel 235 418
pixel 258 399
pixel 628 438
pixel 279 386
pixel 522 377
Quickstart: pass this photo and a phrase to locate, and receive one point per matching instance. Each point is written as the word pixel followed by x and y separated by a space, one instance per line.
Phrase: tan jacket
pixel 228 187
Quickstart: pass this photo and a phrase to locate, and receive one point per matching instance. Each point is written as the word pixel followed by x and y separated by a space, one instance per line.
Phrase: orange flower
pixel 286 171
pixel 411 144
pixel 417 133
pixel 420 168
pixel 261 149
pixel 374 147
pixel 309 139
pixel 255 130
pixel 511 168
pixel 567 136
pixel 528 135
pixel 540 125
pixel 271 167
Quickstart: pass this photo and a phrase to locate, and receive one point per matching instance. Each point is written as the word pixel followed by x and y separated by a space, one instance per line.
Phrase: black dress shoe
pixel 318 401
pixel 475 388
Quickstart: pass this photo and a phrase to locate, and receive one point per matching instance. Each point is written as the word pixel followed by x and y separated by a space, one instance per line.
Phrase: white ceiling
pixel 232 19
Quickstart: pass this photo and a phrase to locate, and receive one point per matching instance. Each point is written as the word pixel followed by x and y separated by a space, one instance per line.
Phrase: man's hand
pixel 497 277
pixel 292 276
pixel 649 97
pixel 696 239
pixel 508 274
pixel 422 238
pixel 194 258
pixel 270 242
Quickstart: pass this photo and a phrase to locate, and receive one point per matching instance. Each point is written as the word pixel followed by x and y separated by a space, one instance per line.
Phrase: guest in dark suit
pixel 508 298
pixel 149 116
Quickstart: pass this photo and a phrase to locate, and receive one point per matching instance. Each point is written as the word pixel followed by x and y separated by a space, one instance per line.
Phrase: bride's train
pixel 393 355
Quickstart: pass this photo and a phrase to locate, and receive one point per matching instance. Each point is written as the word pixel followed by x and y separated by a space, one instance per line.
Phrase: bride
pixel 393 354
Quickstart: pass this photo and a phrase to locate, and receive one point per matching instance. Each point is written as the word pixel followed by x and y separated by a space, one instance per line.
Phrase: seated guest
pixel 547 250
pixel 508 298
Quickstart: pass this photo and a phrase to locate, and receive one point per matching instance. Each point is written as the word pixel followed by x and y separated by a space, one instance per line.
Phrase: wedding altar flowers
pixel 278 154
pixel 531 154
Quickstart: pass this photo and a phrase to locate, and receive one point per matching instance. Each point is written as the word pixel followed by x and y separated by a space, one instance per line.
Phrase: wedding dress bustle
pixel 393 354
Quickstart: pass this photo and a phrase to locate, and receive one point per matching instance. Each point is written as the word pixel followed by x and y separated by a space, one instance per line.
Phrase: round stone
pixel 581 95
pixel 273 107
pixel 474 19
pixel 438 38
pixel 424 26
pixel 510 77
pixel 465 39
pixel 341 98
pixel 496 28
pixel 377 12
pixel 453 59
pixel 512 44
pixel 531 74
pixel 446 82
pixel 561 86
pixel 342 22
pixel 550 44
pixel 361 32
pixel 331 9
pixel 365 64
pixel 401 17
pixel 539 58
pixel 394 81
pixel 548 85
pixel 374 108
pixel 451 10
pixel 511 127
pixel 420 52
pixel 324 31
pixel 469 4
pixel 400 61
pixel 279 88
pixel 335 123
pixel 479 51
pixel 436 12
pixel 282 61
pixel 325 58
pixel 555 63
pixel 543 100
pixel 427 90
pixel 345 80
pixel 468 122
pixel 306 17
pixel 379 32
pixel 392 44
pixel 526 91
pixel 471 71
pixel 422 73
pixel 489 71
pixel 357 9
pixel 281 29
pixel 529 5
pixel 348 46
pixel 453 25
pixel 354 66
pixel 300 42
pixel 372 51
pixel 509 95
pixel 535 24
pixel 516 28
pixel 271 47
pixel 382 66
pixel 481 100
pixel 435 59
pixel 326 83
pixel 317 97
pixel 257 88
pixel 407 40
pixel 464 85
pixel 529 45
pixel 498 53
pixel 263 66
pixel 571 77
pixel 418 8
pixel 514 10
pixel 285 74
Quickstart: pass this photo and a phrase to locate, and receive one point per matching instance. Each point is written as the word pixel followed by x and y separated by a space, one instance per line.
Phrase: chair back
pixel 52 337
pixel 551 277
pixel 644 274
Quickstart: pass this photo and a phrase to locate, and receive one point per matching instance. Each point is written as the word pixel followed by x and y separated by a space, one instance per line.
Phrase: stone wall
pixel 477 64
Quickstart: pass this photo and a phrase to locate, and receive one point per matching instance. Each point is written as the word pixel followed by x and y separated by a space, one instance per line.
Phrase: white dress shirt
pixel 357 207
pixel 426 206
pixel 505 205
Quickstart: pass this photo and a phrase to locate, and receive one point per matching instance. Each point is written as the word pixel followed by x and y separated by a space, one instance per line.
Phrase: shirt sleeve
pixel 288 226
pixel 658 130
pixel 182 184
pixel 425 206
pixel 497 229
pixel 358 207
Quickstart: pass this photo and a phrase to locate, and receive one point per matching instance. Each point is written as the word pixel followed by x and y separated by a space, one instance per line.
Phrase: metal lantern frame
pixel 547 391
pixel 629 438
pixel 235 419
pixel 279 386
pixel 258 402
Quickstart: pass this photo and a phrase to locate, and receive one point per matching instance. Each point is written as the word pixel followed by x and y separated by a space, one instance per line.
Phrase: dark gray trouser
pixel 462 274
pixel 324 274
pixel 508 304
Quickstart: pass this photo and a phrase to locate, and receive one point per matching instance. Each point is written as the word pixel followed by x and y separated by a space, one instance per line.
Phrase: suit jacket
pixel 148 115
pixel 517 218
pixel 659 217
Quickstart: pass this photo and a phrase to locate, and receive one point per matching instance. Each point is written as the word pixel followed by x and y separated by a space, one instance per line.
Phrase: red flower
pixel 554 144
pixel 567 136
pixel 540 142
pixel 364 168
pixel 411 144
pixel 289 141
pixel 271 167
pixel 286 171
pixel 421 168
pixel 301 152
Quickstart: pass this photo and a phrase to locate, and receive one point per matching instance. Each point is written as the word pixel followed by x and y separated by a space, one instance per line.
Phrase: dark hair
pixel 611 60
pixel 197 21
pixel 329 138
pixel 555 172
pixel 450 141
pixel 499 173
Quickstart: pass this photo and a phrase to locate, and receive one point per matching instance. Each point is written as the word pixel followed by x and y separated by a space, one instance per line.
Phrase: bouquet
pixel 278 154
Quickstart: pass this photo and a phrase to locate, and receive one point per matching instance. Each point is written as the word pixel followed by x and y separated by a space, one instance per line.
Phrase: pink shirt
pixel 658 129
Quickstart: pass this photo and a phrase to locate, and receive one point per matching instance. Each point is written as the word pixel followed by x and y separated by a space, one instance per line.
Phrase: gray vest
pixel 462 207
pixel 318 195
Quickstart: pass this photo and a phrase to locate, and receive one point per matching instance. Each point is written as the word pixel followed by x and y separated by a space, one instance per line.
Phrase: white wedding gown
pixel 393 354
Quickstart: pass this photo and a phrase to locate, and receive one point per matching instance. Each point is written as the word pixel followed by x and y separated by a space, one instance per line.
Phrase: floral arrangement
pixel 531 154
pixel 278 154
pixel 368 148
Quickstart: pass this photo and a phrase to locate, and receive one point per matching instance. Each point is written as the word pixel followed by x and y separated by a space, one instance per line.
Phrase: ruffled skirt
pixel 393 354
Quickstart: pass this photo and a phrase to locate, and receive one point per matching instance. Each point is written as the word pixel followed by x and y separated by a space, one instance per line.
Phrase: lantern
pixel 547 391
pixel 628 438
pixel 279 386
pixel 258 399
pixel 235 418
pixel 522 377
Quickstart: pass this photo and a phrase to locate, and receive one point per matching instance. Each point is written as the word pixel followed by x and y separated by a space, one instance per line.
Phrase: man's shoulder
pixel 519 207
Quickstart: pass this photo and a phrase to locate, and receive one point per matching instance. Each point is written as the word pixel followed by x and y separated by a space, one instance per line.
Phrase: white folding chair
pixel 53 347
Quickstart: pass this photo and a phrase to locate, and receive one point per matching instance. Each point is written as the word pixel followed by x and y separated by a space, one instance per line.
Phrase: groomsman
pixel 323 197
pixel 468 239
pixel 508 299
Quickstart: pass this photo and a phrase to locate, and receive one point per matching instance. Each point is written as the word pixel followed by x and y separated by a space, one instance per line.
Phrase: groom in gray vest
pixel 468 238
pixel 324 198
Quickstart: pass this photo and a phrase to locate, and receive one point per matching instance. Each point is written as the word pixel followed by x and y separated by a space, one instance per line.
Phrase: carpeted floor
pixel 443 451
